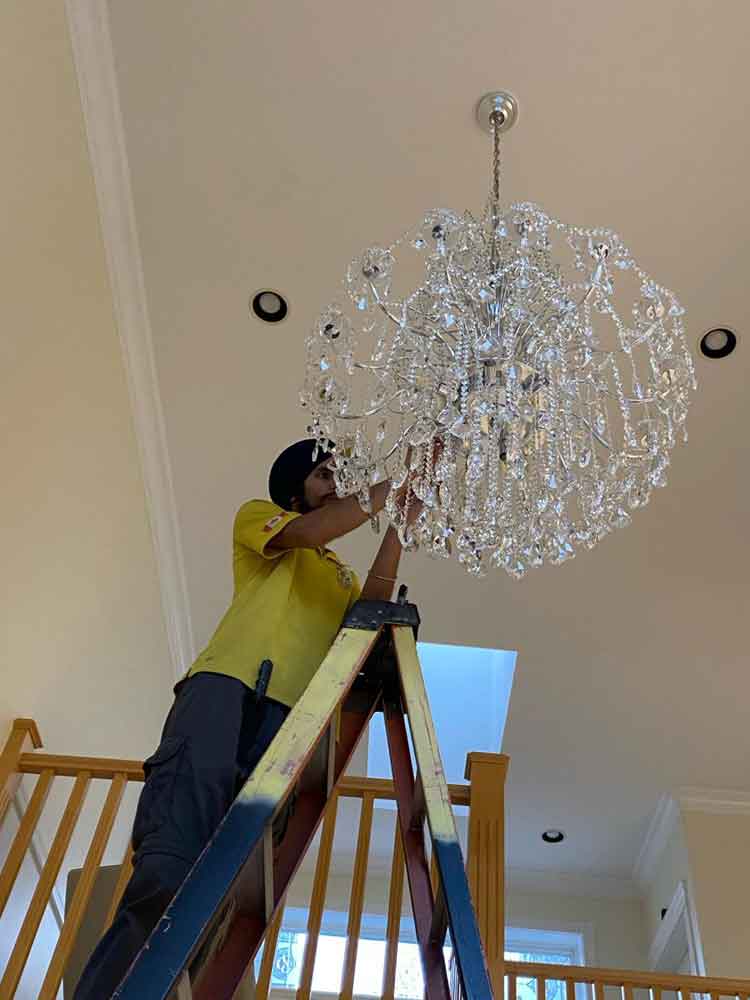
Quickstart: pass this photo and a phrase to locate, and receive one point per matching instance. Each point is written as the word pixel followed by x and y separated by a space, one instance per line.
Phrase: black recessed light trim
pixel 269 317
pixel 553 836
pixel 718 352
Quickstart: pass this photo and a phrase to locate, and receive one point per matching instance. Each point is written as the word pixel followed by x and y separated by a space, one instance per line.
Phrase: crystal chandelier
pixel 551 369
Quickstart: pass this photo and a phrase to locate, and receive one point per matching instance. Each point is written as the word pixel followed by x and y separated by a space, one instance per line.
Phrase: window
pixel 549 946
pixel 329 958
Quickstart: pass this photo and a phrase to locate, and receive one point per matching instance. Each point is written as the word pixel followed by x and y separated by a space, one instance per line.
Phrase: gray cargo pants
pixel 214 736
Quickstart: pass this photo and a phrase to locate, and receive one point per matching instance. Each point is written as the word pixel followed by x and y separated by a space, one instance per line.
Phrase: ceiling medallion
pixel 554 371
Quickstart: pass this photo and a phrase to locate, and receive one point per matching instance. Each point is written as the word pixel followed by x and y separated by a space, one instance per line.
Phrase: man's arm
pixel 382 576
pixel 336 518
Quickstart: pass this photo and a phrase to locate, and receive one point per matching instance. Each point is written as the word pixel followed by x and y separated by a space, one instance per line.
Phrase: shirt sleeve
pixel 257 523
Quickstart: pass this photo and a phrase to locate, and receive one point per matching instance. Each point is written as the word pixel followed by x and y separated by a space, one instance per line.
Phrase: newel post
pixel 23 736
pixel 486 861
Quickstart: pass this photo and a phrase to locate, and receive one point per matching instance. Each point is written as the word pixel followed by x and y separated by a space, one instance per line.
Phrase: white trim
pixel 570 884
pixel 661 828
pixel 576 937
pixel 88 21
pixel 720 801
pixel 695 944
pixel 677 934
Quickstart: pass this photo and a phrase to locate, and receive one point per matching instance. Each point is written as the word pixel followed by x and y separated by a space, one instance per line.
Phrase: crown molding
pixel 93 55
pixel 714 800
pixel 596 886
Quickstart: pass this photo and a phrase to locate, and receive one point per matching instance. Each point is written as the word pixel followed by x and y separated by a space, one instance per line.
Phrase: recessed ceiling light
pixel 268 305
pixel 718 343
pixel 553 836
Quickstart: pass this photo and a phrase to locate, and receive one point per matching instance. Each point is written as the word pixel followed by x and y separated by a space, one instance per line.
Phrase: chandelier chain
pixel 496 119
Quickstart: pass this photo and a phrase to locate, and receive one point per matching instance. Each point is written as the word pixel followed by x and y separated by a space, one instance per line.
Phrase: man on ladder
pixel 291 594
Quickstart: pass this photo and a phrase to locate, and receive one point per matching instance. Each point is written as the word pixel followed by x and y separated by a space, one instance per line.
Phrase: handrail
pixel 67 765
pixel 622 978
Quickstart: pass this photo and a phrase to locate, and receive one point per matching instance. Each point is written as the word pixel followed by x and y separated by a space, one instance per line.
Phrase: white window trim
pixel 546 935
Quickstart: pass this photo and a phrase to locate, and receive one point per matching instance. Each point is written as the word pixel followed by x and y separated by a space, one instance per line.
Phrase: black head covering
pixel 291 469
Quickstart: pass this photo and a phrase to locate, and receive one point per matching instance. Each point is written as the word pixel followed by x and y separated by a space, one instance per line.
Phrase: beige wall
pixel 616 925
pixel 718 847
pixel 83 645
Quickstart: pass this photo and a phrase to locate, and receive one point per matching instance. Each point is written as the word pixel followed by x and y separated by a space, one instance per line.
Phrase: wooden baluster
pixel 627 992
pixel 395 903
pixel 126 870
pixel 685 993
pixel 39 900
pixel 317 900
pixel 263 985
pixel 82 894
pixel 541 988
pixel 486 861
pixel 570 989
pixel 598 991
pixel 23 736
pixel 23 836
pixel 512 986
pixel 356 903
pixel 656 993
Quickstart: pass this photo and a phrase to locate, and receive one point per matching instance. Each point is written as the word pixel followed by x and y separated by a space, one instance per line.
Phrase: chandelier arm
pixel 592 431
pixel 381 305
pixel 367 413
pixel 438 333
pixel 613 395
pixel 402 324
pixel 400 441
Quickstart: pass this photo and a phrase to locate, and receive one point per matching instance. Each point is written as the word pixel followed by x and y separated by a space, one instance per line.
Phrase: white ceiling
pixel 269 143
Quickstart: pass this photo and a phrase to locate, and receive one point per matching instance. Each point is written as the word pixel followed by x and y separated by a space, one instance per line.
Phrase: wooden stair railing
pixel 625 982
pixel 21 755
pixel 484 796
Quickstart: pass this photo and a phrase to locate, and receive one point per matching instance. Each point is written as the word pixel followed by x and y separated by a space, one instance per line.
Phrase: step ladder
pixel 206 941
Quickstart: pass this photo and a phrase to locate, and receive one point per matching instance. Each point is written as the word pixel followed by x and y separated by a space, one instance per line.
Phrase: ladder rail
pixel 417 869
pixel 453 903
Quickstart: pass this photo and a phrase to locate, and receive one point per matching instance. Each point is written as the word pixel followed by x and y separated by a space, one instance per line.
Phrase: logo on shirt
pixel 270 525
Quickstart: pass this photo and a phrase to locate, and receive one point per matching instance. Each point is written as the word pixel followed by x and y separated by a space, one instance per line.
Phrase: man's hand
pixel 406 493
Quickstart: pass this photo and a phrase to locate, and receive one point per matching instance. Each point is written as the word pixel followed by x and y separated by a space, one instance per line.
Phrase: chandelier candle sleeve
pixel 527 375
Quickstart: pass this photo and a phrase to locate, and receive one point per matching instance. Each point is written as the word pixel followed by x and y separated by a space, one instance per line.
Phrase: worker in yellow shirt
pixel 291 593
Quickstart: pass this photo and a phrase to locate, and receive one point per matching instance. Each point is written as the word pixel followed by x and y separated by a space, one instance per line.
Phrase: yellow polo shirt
pixel 287 607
